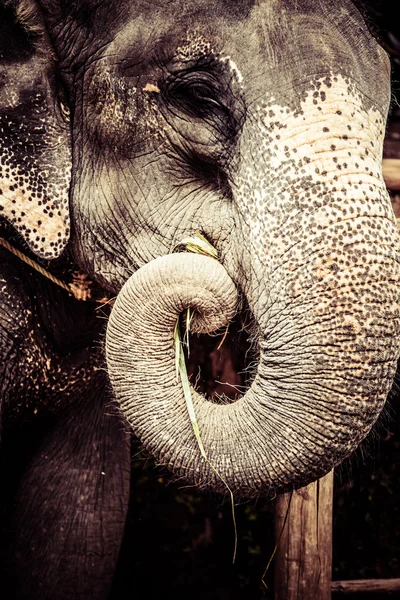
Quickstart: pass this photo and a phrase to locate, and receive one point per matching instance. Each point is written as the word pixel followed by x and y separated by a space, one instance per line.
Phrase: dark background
pixel 179 542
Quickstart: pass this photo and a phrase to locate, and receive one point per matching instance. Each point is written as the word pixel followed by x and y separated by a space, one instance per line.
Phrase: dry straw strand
pixel 199 245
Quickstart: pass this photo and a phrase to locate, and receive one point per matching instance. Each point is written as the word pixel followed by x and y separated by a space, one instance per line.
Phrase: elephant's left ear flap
pixel 35 144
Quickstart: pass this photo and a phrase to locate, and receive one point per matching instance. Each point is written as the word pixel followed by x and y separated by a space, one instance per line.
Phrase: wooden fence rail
pixel 357 586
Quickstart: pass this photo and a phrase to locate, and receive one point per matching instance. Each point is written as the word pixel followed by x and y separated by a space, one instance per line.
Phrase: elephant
pixel 126 127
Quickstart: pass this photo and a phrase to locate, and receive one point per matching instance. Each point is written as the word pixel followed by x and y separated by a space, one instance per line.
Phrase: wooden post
pixel 391 173
pixel 303 533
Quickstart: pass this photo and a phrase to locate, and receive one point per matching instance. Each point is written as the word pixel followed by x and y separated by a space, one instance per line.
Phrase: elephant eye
pixel 199 92
pixel 198 97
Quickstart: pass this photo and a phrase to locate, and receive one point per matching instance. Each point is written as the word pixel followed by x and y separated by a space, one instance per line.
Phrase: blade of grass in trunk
pixel 180 361
pixel 189 317
pixel 188 397
pixel 177 347
pixel 198 245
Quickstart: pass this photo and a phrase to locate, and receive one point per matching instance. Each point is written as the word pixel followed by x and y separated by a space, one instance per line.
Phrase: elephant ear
pixel 35 144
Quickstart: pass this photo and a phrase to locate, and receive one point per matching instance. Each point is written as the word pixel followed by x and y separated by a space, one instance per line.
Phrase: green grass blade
pixel 180 366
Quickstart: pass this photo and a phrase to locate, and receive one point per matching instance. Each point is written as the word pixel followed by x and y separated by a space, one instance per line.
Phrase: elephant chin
pixel 295 422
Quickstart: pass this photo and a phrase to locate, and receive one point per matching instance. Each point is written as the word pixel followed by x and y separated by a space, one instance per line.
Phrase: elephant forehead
pixel 272 45
pixel 272 31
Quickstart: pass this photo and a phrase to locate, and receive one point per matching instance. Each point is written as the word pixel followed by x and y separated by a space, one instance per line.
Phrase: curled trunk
pixel 300 416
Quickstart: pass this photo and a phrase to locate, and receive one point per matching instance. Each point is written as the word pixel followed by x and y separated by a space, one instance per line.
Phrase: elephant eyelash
pixel 198 97
pixel 198 92
pixel 210 172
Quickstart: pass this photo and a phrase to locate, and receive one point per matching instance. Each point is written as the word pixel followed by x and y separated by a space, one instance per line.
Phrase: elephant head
pixel 259 124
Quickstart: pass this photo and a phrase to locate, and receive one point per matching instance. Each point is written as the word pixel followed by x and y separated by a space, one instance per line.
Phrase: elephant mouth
pixel 222 366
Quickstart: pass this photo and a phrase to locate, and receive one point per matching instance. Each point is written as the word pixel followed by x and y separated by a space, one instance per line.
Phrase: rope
pixel 79 291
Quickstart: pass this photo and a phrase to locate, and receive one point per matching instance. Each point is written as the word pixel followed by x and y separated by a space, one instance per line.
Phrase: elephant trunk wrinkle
pixel 296 420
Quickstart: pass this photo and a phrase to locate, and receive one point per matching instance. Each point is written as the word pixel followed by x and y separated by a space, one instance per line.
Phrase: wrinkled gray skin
pixel 261 125
pixel 295 96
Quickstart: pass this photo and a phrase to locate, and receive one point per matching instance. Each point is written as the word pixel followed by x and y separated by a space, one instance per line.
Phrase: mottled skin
pixel 258 123
pixel 35 148
pixel 65 451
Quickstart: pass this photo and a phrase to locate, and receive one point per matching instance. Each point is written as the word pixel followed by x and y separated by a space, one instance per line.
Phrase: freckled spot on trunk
pixel 326 267
pixel 352 325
